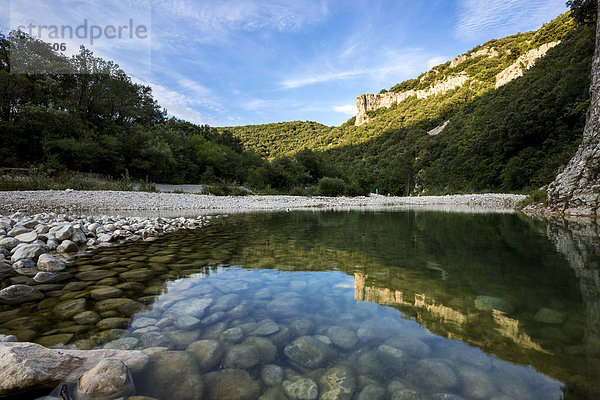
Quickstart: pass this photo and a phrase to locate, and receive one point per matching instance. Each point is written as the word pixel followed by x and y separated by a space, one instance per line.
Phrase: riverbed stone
pixel 489 303
pixel 207 353
pixel 173 375
pixel 181 339
pixel 122 304
pixel 25 267
pixel 49 263
pixel 433 374
pixel 27 237
pixel 308 352
pixel 411 347
pixel 87 317
pixel 63 232
pixel 232 384
pixel 191 307
pixel 70 308
pixel 51 341
pixel 137 275
pixel 267 349
pixel 302 327
pixel 95 275
pixel 550 316
pixel 45 277
pixel 67 247
pixel 284 307
pixel 154 339
pixel 17 230
pixel 186 322
pixel 112 323
pixel 9 243
pixel 143 322
pixel 272 375
pixel 476 384
pixel 16 294
pixel 29 251
pixel 301 389
pixel 273 393
pixel 106 292
pixel 266 327
pixel 372 392
pixel 233 335
pixel 109 379
pixel 242 356
pixel 128 343
pixel 337 383
pixel 452 396
pixel 342 337
pixel 391 357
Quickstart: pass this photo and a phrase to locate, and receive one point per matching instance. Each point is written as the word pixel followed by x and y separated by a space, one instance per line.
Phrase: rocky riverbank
pixel 78 202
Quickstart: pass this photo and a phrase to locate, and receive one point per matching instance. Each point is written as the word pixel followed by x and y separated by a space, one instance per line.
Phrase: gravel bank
pixel 105 201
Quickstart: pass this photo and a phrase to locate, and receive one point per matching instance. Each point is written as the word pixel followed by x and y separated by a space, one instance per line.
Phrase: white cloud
pixel 502 17
pixel 348 109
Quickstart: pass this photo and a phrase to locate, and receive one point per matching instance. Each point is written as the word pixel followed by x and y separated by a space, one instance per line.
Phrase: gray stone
pixel 242 356
pixel 112 323
pixel 143 322
pixel 272 375
pixel 489 303
pixel 182 339
pixel 49 263
pixel 476 384
pixel 9 243
pixel 433 374
pixel 192 307
pixel 452 396
pixel 109 379
pixel 266 348
pixel 273 393
pixel 232 384
pixel 414 348
pixel 17 230
pixel 128 343
pixel 391 357
pixel 550 316
pixel 233 335
pixel 8 338
pixel 225 303
pixel 186 322
pixel 173 375
pixel 63 232
pixel 78 238
pixel 266 327
pixel 207 353
pixel 16 294
pixel 301 389
pixel 106 292
pixel 154 339
pixel 308 352
pixel 67 246
pixel 25 267
pixel 45 277
pixel 87 317
pixel 342 337
pixel 302 327
pixel 29 251
pixel 27 237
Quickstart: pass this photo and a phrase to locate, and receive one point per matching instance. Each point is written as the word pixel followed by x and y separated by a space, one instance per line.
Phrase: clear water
pixel 408 305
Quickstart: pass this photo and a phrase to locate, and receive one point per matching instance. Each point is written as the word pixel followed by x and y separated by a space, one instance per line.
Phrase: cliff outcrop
pixel 576 190
pixel 371 102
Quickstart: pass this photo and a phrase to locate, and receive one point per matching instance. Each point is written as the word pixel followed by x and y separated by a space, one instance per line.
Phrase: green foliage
pixel 535 197
pixel 584 11
pixel 331 186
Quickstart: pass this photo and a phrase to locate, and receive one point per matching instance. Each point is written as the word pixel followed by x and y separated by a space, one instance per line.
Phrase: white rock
pixel 49 263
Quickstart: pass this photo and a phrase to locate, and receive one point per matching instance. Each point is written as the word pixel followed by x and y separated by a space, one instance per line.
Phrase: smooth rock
pixel 63 232
pixel 25 267
pixel 112 323
pixel 272 375
pixel 27 237
pixel 143 322
pixel 128 343
pixel 44 277
pixel 372 392
pixel 29 251
pixel 109 379
pixel 232 335
pixel 301 389
pixel 9 243
pixel 433 375
pixel 342 337
pixel 186 322
pixel 476 384
pixel 87 317
pixel 242 356
pixel 173 375
pixel 231 384
pixel 191 307
pixel 207 353
pixel 70 308
pixel 49 263
pixel 67 246
pixel 266 327
pixel 16 294
pixel 106 292
pixel 308 352
pixel 391 357
pixel 414 348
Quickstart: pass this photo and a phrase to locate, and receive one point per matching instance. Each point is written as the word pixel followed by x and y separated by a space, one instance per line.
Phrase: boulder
pixel 16 294
pixel 29 366
pixel 337 383
pixel 301 389
pixel 342 337
pixel 433 375
pixel 191 307
pixel 67 246
pixel 173 375
pixel 29 251
pixel 272 375
pixel 27 237
pixel 308 352
pixel 9 243
pixel 391 357
pixel 48 263
pixel 108 380
pixel 231 384
pixel 207 353
pixel 25 267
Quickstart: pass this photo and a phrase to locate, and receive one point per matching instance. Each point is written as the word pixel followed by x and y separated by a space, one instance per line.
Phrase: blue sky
pixel 238 62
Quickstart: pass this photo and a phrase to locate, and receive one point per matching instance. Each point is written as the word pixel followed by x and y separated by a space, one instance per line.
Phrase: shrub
pixel 331 186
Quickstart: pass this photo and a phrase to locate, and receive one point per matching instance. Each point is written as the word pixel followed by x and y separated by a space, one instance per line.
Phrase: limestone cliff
pixel 371 102
pixel 576 191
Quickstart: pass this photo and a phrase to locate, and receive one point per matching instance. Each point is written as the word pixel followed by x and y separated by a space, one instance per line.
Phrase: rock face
pixel 576 190
pixel 371 102
pixel 27 366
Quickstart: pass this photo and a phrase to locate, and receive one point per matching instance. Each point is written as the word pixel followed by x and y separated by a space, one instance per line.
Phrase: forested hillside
pixel 513 138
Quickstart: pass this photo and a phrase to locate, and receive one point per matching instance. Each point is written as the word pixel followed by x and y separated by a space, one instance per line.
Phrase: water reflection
pixel 499 302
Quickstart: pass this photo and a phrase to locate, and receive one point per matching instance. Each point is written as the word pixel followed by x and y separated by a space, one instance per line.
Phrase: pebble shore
pixel 79 202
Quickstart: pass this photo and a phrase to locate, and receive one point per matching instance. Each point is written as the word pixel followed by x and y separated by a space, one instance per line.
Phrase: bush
pixel 331 186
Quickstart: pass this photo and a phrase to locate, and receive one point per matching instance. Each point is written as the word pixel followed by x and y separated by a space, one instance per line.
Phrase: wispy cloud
pixel 348 109
pixel 432 62
pixel 502 17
